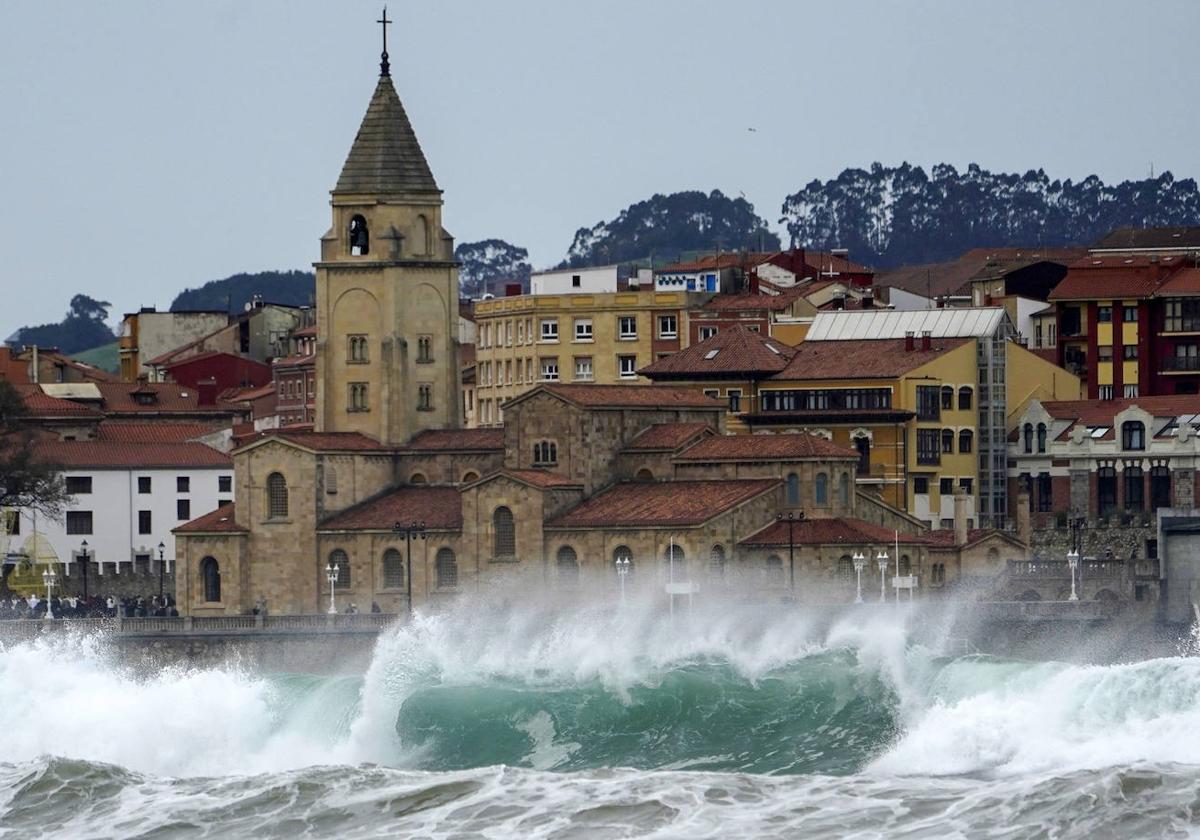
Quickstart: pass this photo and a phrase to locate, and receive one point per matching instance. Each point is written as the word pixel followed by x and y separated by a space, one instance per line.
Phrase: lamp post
pixel 860 563
pixel 1073 562
pixel 413 531
pixel 791 518
pixel 49 578
pixel 83 551
pixel 882 559
pixel 1078 523
pixel 622 564
pixel 331 575
pixel 162 565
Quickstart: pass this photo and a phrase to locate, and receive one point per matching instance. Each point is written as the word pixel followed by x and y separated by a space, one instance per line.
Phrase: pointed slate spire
pixel 385 157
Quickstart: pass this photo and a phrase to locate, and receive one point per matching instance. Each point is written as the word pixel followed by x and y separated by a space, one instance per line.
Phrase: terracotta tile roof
pixel 731 352
pixel 302 435
pixel 747 302
pixel 666 503
pixel 1104 412
pixel 41 404
pixel 536 478
pixel 251 394
pixel 109 454
pixel 766 448
pixel 1114 276
pixel 628 396
pixel 125 432
pixel 944 537
pixel 119 397
pixel 824 261
pixel 1186 281
pixel 849 532
pixel 440 508
pixel 879 358
pixel 219 521
pixel 668 436
pixel 299 360
pixel 1160 238
pixel 450 440
pixel 954 276
pixel 713 261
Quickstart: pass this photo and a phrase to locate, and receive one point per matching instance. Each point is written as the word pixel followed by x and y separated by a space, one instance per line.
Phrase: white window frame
pixel 548 365
pixel 705 333
pixel 624 334
pixel 580 363
pixel 583 330
pixel 674 331
pixel 622 372
pixel 549 336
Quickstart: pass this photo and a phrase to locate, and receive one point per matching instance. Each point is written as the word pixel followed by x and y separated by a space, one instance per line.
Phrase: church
pixel 386 499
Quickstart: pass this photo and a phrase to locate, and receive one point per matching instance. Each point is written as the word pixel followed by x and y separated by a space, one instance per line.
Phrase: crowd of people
pixel 95 606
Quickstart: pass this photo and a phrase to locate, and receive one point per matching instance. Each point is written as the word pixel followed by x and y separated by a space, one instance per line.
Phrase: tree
pixel 26 481
pixel 82 328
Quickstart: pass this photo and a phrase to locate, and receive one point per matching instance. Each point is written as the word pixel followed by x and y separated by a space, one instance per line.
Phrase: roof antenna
pixel 384 68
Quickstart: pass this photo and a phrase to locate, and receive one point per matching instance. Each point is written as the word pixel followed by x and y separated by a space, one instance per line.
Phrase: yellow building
pixel 603 338
pixel 927 411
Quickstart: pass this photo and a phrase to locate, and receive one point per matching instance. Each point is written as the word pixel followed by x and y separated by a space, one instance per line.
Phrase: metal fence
pixel 343 623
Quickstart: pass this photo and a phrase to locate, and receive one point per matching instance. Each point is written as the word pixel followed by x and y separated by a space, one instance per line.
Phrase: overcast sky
pixel 149 146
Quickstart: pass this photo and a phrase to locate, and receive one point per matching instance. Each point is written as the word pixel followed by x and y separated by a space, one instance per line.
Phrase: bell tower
pixel 387 286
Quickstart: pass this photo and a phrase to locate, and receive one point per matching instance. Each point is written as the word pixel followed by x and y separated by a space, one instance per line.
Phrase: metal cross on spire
pixel 384 68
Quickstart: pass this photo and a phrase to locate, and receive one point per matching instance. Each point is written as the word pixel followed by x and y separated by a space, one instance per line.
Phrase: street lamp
pixel 162 565
pixel 1073 562
pixel 791 519
pixel 860 563
pixel 331 575
pixel 882 559
pixel 410 532
pixel 83 551
pixel 623 564
pixel 49 578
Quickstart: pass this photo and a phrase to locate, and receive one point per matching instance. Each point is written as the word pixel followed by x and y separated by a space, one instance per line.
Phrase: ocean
pixel 581 720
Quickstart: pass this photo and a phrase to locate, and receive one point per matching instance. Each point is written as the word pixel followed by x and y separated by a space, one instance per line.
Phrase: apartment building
pixel 602 338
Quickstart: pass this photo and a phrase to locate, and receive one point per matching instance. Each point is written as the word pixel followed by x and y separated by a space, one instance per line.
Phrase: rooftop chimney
pixel 926 340
pixel 909 339
pixel 960 517
pixel 868 299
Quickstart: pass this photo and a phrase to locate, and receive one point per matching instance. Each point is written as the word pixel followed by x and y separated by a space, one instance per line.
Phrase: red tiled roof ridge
pixel 731 350
pixel 668 436
pixel 221 520
pixel 439 508
pixel 848 531
pixel 120 454
pixel 457 439
pixel 864 358
pixel 765 448
pixel 626 396
pixel 662 503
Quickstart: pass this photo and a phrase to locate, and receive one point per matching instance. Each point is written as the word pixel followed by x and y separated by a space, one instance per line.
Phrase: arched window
pixel 417 478
pixel 504 545
pixel 393 570
pixel 360 239
pixel 947 397
pixel 844 490
pixel 331 480
pixel 545 452
pixel 966 441
pixel 210 575
pixel 422 236
pixel 1028 438
pixel 947 440
pixel 1133 435
pixel 675 557
pixel 793 489
pixel 277 496
pixel 964 398
pixel 338 558
pixel 622 553
pixel 644 474
pixel 1041 437
pixel 775 569
pixel 568 564
pixel 716 560
pixel 1160 487
pixel 821 489
pixel 447 569
pixel 1106 490
pixel 863 444
pixel 845 567
pixel 469 477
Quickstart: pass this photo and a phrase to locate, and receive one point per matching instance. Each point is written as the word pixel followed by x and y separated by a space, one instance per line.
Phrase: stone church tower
pixel 387 288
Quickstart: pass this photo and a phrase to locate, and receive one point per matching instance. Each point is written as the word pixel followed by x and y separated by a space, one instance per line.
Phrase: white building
pixel 567 281
pixel 128 489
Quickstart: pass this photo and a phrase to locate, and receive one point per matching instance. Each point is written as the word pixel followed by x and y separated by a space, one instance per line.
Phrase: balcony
pixel 1181 364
